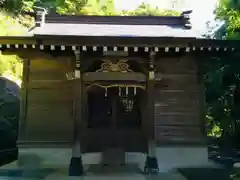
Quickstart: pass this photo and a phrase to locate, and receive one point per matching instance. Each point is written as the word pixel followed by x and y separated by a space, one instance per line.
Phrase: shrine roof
pixel 117 26
pixel 54 31
pixel 114 30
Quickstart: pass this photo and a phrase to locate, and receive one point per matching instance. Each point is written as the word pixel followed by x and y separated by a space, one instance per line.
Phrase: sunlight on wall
pixel 11 67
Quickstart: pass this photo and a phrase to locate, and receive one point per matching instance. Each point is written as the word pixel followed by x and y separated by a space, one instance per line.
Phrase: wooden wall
pixel 177 108
pixel 49 101
pixel 49 113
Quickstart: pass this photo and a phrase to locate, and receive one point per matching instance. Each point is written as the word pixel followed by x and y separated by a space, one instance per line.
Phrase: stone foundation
pixel 44 157
pixel 168 157
pixel 176 157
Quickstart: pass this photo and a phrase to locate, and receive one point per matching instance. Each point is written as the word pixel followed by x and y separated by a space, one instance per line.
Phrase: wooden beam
pixel 77 99
pixel 79 108
pixel 113 76
pixel 22 135
pixel 201 98
pixel 150 109
pixel 151 100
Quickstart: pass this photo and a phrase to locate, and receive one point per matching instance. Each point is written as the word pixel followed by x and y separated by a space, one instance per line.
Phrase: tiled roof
pixel 116 33
pixel 114 30
pixel 117 26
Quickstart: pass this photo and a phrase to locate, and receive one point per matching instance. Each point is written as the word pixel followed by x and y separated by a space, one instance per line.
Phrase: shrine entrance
pixel 115 118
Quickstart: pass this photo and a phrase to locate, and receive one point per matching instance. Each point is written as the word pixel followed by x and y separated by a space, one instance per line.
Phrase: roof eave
pixel 118 41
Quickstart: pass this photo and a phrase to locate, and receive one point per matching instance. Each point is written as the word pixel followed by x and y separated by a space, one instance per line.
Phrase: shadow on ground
pixel 206 173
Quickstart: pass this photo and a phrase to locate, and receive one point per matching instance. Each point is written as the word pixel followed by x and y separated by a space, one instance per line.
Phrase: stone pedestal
pixel 176 157
pixel 168 158
pixel 44 157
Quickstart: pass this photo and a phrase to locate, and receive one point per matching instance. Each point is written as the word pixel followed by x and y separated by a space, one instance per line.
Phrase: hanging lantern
pixel 129 105
pixel 126 91
pixel 135 91
pixel 106 92
pixel 119 91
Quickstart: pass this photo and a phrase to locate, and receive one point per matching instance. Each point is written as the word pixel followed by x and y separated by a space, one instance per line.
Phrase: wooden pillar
pixel 151 165
pixel 22 133
pixel 76 166
pixel 201 100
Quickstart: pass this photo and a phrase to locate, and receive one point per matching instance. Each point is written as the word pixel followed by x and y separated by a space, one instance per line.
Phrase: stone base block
pixel 44 157
pixel 178 157
pixel 168 158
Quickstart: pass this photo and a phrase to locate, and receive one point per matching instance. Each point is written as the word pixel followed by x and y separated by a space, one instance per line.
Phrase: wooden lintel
pixel 17 40
pixel 22 53
pixel 113 76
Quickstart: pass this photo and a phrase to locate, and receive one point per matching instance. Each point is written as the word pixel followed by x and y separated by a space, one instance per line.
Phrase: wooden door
pixel 114 121
pixel 129 129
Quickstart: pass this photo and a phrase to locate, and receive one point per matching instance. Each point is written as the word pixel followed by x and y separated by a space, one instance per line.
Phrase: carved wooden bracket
pixel 151 75
pixel 109 66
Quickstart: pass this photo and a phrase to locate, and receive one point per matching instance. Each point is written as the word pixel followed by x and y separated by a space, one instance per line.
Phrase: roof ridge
pixel 41 17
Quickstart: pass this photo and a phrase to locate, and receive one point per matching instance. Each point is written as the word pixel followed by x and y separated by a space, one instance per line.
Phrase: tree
pixel 148 10
pixel 229 12
pixel 93 7
pixel 222 76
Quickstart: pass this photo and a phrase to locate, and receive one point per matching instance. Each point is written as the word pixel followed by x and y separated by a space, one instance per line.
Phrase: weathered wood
pixel 46 63
pixel 50 74
pixel 78 98
pixel 177 102
pixel 201 99
pixel 150 106
pixel 50 84
pixel 178 119
pixel 176 107
pixel 50 98
pixel 185 96
pixel 177 65
pixel 173 110
pixel 113 76
pixel 49 95
pixel 113 134
pixel 178 134
pixel 50 111
pixel 184 82
pixel 24 102
pixel 150 118
pixel 99 139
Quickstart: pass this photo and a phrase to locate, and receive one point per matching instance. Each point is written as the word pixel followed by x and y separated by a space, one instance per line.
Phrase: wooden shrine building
pixel 128 86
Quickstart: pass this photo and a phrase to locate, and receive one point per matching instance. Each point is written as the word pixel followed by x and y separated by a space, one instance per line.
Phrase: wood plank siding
pixel 177 107
pixel 50 96
pixel 50 100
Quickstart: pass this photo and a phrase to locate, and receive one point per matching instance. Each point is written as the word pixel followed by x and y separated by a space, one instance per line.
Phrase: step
pixel 113 157
pixel 127 176
pixel 116 174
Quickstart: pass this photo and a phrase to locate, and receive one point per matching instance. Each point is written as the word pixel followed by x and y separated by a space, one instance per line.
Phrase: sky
pixel 202 9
